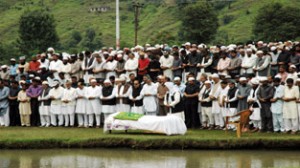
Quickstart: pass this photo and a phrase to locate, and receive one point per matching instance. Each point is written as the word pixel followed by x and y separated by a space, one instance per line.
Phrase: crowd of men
pixel 200 84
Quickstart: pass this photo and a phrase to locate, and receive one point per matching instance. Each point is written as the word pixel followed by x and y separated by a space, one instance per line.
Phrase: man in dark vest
pixel 232 100
pixel 136 99
pixel 206 106
pixel 173 101
pixel 14 104
pixel 108 98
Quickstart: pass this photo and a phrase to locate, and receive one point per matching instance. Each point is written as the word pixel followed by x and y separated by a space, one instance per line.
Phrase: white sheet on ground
pixel 169 125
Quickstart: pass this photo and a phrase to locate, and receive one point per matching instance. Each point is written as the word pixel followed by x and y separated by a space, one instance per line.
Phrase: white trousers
pixel 69 119
pixel 256 124
pixel 45 120
pixel 55 117
pixel 98 120
pixel 82 119
pixel 291 124
pixel 89 120
pixel 4 120
pixel 218 119
pixel 207 116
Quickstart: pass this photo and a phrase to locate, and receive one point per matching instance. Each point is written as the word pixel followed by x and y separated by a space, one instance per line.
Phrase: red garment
pixel 142 64
pixel 34 66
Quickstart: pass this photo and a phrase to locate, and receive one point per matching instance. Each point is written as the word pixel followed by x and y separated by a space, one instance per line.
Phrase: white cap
pixel 298 80
pixel 31 76
pixel 50 49
pixel 191 79
pixel 260 42
pixel 119 55
pixel 292 66
pixel 207 82
pixel 263 78
pixel 249 50
pixel 93 80
pixel 273 48
pixel 22 82
pixel 259 52
pixel 177 78
pixel 187 43
pixel 223 48
pixel 3 66
pixel 12 59
pixel 243 79
pixel 45 83
pixel 215 75
pixel 37 78
pixel 278 76
pixel 43 55
pixel 118 79
pixel 254 81
pixel 107 81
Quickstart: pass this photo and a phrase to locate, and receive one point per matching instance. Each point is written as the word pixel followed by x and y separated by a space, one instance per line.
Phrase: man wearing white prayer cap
pixel 123 89
pixel 264 95
pixel 4 73
pixel 191 104
pixel 262 64
pixel 179 85
pixel 174 101
pixel 108 98
pixel 206 106
pixel 55 95
pixel 243 92
pixel 254 105
pixel 93 93
pixel 68 104
pixel 214 96
pixel 292 73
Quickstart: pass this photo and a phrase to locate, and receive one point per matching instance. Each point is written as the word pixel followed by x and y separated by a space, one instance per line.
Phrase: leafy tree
pixel 275 22
pixel 91 41
pixel 36 32
pixel 199 23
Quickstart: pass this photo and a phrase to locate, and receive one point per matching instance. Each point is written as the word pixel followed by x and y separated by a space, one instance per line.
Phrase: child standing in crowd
pixel 24 106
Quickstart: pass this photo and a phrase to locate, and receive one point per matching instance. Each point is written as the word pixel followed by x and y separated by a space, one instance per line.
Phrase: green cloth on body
pixel 128 116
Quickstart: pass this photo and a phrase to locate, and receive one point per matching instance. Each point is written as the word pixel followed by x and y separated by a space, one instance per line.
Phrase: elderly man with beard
pixel 166 63
pixel 108 98
pixel 264 94
pixel 243 91
pixel 262 64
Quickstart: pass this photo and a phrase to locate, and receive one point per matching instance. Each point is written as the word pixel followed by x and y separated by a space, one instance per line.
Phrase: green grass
pixel 33 137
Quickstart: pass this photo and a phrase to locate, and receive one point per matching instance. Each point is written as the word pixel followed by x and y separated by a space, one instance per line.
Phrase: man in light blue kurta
pixel 277 106
pixel 4 116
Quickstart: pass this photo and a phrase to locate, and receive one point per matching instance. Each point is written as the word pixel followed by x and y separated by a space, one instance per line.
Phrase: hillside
pixel 158 17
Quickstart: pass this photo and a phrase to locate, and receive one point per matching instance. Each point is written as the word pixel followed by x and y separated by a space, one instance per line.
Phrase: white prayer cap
pixel 12 59
pixel 277 76
pixel 105 53
pixel 122 78
pixel 215 75
pixel 249 50
pixel 187 44
pixel 254 81
pixel 93 80
pixel 243 79
pixel 22 82
pixel 119 55
pixel 260 42
pixel 56 82
pixel 65 58
pixel 138 47
pixel 37 78
pixel 43 55
pixel 3 66
pixel 148 45
pixel 113 53
pixel 200 46
pixel 259 52
pixel 169 85
pixel 263 78
pixel 207 82
pixel 45 83
pixel 223 48
pixel 157 46
pixel 227 77
pixel 273 48
pixel 107 81
pixel 120 52
pixel 222 74
pixel 31 76
pixel 298 80
pixel 230 49
pixel 292 66
pixel 177 78
pixel 50 49
pixel 159 76
pixel 22 58
pixel 191 79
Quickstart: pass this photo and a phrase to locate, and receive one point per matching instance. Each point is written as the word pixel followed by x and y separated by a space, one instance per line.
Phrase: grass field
pixel 35 138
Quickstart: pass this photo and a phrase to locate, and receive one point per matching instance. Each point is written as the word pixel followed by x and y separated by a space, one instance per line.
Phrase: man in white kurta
pixel 149 93
pixel 110 67
pixel 55 66
pixel 248 62
pixel 66 68
pixel 214 96
pixel 277 106
pixel 290 110
pixel 44 107
pixel 81 105
pixel 131 65
pixel 122 93
pixel 108 98
pixel 68 104
pixel 93 93
pixel 98 67
pixel 166 63
pixel 55 108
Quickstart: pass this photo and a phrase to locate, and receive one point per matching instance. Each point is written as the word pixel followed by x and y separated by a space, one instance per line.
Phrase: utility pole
pixel 117 26
pixel 137 7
